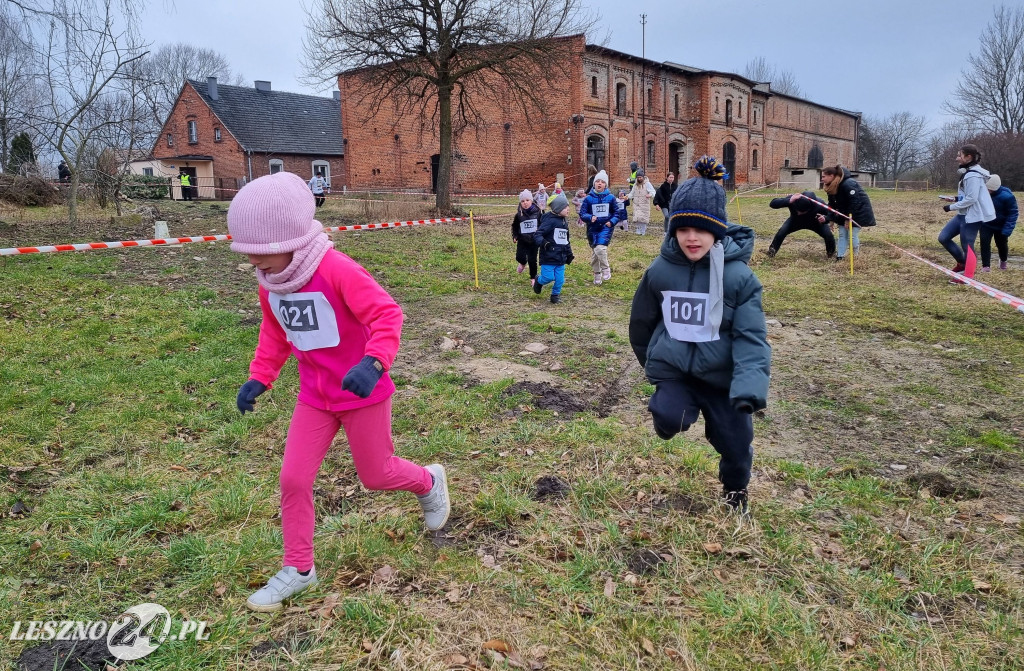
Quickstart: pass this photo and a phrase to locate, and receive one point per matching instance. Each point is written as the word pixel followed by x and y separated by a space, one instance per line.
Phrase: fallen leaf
pixel 35 547
pixel 384 574
pixel 330 601
pixel 712 548
pixel 497 645
pixel 176 467
pixel 1006 519
pixel 848 642
pixel 177 505
pixel 367 645
pixel 219 588
pixel 674 655
pixel 609 588
pixel 647 646
pixel 457 660
pixel 122 562
pixel 739 553
pixel 981 585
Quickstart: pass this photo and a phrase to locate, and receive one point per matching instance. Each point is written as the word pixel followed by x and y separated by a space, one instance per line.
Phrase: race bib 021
pixel 308 320
pixel 686 316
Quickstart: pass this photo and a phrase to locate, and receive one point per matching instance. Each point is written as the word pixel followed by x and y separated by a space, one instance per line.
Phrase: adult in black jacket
pixel 806 213
pixel 846 195
pixel 663 196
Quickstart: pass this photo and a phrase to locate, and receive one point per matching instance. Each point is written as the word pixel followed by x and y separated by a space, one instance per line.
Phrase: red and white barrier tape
pixel 88 246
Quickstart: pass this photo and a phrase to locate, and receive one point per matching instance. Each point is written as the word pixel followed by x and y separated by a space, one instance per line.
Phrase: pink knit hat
pixel 273 215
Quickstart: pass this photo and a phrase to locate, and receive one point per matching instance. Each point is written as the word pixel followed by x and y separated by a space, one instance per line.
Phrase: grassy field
pixel 886 502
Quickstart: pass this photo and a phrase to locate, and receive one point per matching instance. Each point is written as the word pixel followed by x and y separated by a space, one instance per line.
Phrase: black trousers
pixel 319 199
pixel 186 193
pixel 526 253
pixel 674 407
pixel 1002 244
pixel 821 229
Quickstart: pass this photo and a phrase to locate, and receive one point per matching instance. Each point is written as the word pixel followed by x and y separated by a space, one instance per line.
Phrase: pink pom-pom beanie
pixel 273 215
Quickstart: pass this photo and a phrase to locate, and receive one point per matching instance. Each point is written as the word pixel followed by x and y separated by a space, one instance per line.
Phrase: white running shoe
pixel 435 503
pixel 286 583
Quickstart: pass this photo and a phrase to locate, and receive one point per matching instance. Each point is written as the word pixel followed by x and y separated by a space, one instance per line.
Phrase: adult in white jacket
pixel 971 208
pixel 641 196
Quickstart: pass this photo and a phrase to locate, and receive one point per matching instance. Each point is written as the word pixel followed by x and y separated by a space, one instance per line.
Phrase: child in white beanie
pixel 524 225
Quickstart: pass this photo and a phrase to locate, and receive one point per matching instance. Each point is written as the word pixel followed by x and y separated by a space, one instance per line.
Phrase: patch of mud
pixel 684 504
pixel 940 486
pixel 644 562
pixel 548 397
pixel 91 655
pixel 550 487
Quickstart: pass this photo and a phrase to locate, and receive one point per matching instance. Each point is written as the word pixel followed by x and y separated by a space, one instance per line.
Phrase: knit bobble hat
pixel 559 203
pixel 994 183
pixel 525 194
pixel 699 202
pixel 273 215
pixel 603 176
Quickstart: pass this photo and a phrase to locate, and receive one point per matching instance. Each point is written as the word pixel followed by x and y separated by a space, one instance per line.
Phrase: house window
pixel 193 133
pixel 650 100
pixel 675 103
pixel 147 172
pixel 216 134
pixel 170 139
pixel 593 87
pixel 728 112
pixel 276 165
pixel 322 168
pixel 650 153
pixel 753 160
pixel 620 99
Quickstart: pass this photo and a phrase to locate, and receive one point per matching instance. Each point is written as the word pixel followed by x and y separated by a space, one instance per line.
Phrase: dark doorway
pixel 595 151
pixel 673 159
pixel 435 165
pixel 193 190
pixel 729 161
pixel 815 159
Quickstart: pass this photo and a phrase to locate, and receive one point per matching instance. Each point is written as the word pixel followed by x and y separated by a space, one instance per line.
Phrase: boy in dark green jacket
pixel 697 327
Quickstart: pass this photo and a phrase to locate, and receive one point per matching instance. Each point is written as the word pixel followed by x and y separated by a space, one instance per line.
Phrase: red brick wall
pixel 794 126
pixel 229 159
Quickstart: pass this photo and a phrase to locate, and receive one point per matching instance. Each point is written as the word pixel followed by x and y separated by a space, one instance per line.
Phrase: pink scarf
pixel 304 263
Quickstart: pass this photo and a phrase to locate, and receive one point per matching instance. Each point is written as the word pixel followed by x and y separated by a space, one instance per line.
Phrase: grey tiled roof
pixel 276 121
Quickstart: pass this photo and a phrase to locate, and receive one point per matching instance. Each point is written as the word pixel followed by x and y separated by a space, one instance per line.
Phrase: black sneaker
pixel 537 286
pixel 556 298
pixel 737 500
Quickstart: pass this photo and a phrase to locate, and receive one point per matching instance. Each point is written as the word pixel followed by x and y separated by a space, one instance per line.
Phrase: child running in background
pixel 524 225
pixel 555 250
pixel 623 199
pixel 600 211
pixel 540 196
pixel 577 203
pixel 344 330
pixel 698 329
pixel 555 190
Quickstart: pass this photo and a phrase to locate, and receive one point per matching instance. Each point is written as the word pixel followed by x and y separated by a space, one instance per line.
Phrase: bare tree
pixel 170 65
pixel 990 94
pixel 443 59
pixel 18 89
pixel 894 145
pixel 782 81
pixel 86 57
pixel 940 152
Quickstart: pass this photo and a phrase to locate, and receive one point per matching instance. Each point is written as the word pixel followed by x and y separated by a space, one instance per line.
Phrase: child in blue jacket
pixel 552 238
pixel 600 212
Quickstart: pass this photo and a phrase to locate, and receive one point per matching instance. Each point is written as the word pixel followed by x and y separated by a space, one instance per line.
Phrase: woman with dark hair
pixel 591 171
pixel 664 196
pixel 971 208
pixel 846 195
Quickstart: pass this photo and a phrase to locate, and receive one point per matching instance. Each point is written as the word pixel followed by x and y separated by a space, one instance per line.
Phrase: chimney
pixel 262 85
pixel 211 87
pixel 336 94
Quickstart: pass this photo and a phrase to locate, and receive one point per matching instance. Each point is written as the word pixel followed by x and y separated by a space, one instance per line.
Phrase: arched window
pixel 593 87
pixel 753 160
pixel 675 102
pixel 728 112
pixel 650 99
pixel 815 159
pixel 739 110
pixel 729 161
pixel 620 99
pixel 650 154
pixel 595 151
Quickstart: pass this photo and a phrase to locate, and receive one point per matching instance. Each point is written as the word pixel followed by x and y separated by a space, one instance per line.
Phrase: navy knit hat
pixel 699 202
pixel 559 203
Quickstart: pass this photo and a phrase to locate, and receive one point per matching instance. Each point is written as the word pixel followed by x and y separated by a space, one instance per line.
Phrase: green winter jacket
pixel 740 360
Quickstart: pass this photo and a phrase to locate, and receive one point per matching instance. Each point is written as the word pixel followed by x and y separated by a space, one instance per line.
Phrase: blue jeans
pixel 554 274
pixel 958 226
pixel 843 243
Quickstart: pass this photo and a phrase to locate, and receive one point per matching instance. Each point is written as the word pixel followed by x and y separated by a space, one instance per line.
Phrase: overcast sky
pixel 870 56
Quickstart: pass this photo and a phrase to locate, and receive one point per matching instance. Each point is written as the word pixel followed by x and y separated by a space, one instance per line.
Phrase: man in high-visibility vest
pixel 186 186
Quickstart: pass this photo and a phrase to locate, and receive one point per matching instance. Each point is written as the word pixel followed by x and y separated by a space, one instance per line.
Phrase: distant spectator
pixel 847 196
pixel 63 172
pixel 972 207
pixel 318 185
pixel 664 196
pixel 806 213
pixel 641 196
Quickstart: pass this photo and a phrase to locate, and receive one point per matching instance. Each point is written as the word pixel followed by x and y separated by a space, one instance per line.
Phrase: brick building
pixel 609 108
pixel 225 136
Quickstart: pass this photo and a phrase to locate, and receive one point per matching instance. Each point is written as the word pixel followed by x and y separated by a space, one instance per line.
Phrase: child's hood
pixel 738 243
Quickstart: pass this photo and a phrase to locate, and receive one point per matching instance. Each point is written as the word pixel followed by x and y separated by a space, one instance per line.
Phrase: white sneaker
pixel 597 278
pixel 435 503
pixel 286 583
pixel 606 275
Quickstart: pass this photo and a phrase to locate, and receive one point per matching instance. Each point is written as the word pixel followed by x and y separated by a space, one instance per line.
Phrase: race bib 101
pixel 601 209
pixel 686 316
pixel 528 226
pixel 561 236
pixel 308 320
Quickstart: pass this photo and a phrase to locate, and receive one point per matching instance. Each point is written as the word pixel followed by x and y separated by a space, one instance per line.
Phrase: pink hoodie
pixel 338 317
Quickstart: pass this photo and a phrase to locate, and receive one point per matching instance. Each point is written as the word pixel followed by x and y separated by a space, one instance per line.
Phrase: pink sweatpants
pixel 310 434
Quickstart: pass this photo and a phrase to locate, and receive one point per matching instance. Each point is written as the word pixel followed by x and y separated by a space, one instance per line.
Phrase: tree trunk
pixel 444 164
pixel 73 198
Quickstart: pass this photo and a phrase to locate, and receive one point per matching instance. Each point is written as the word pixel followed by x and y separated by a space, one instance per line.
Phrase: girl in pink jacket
pixel 344 330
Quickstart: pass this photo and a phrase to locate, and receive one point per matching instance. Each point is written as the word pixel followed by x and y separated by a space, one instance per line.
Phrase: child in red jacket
pixel 344 331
